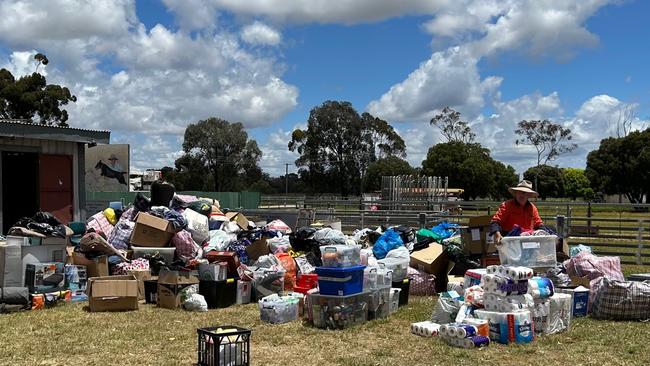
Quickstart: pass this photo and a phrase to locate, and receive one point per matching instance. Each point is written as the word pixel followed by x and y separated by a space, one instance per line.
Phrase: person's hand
pixel 497 238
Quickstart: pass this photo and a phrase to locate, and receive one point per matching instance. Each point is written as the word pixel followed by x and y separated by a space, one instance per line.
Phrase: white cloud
pixel 330 11
pixel 260 33
pixel 193 14
pixel 25 21
pixel 276 153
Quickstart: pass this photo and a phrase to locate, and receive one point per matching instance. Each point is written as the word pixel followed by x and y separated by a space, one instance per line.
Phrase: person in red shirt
pixel 517 211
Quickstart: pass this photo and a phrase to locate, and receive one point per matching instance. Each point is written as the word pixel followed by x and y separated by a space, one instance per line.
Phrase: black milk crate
pixel 231 348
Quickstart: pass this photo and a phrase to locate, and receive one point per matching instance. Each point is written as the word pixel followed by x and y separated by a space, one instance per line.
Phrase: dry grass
pixel 69 335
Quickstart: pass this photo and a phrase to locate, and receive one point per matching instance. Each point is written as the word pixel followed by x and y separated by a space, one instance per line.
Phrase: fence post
pixel 362 219
pixel 640 247
pixel 589 216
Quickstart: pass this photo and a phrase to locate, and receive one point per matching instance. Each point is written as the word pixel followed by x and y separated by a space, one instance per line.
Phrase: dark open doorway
pixel 20 187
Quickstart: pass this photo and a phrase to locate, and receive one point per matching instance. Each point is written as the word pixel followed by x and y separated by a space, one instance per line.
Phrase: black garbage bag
pixel 203 207
pixel 463 262
pixel 406 233
pixel 45 229
pixel 156 263
pixel 141 203
pixel 300 240
pixel 46 218
pixel 162 193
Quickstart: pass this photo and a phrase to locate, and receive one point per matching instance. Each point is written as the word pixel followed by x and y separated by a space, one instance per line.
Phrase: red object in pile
pixel 306 282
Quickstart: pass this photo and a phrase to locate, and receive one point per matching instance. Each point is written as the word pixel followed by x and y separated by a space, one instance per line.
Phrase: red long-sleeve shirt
pixel 511 212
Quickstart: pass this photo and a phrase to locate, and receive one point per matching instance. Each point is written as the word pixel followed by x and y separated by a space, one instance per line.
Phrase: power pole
pixel 286 183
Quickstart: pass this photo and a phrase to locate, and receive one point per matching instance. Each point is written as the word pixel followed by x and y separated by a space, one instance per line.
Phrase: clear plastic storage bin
pixel 375 278
pixel 394 299
pixel 338 312
pixel 528 251
pixel 340 256
pixel 379 303
pixel 398 266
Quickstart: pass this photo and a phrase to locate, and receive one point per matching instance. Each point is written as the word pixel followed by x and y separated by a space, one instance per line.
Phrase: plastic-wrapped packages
pixel 219 240
pixel 278 309
pixel 278 225
pixel 328 236
pixel 279 244
pixel 446 310
pixel 191 300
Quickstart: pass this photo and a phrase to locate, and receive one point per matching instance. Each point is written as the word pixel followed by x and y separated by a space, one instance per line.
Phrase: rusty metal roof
pixel 27 129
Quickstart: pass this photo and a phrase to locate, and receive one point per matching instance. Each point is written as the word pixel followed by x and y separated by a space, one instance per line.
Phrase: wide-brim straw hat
pixel 524 186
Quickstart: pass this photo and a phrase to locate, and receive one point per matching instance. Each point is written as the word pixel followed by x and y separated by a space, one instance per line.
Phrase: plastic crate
pixel 224 345
pixel 219 294
pixel 338 312
pixel 398 266
pixel 277 310
pixel 528 251
pixel 340 281
pixel 340 256
pixel 405 285
pixel 375 278
pixel 378 303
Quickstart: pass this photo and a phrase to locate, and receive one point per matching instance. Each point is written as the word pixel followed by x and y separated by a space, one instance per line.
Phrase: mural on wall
pixel 107 168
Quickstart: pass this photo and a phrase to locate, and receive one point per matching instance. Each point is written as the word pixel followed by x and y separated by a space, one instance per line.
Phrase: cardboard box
pixel 97 267
pixel 113 293
pixel 141 275
pixel 475 236
pixel 238 217
pixel 11 265
pixel 44 277
pixel 229 257
pixel 432 260
pixel 580 281
pixel 151 231
pixel 257 249
pixel 170 284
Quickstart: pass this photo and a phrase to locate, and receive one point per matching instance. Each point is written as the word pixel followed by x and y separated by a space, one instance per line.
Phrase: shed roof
pixel 26 129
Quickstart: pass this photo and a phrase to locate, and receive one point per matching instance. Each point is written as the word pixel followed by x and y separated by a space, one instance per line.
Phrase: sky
pixel 145 70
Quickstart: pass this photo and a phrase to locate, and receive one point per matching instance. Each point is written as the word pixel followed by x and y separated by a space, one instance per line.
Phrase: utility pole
pixel 286 183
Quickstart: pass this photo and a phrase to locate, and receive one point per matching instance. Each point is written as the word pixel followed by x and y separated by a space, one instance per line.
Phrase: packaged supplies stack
pixel 76 280
pixel 509 295
pixel 463 336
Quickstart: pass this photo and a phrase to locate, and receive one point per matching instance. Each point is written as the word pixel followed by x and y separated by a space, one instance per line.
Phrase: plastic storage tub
pixel 338 312
pixel 276 310
pixel 378 303
pixel 219 294
pixel 374 278
pixel 340 256
pixel 528 251
pixel 398 266
pixel 340 281
pixel 394 299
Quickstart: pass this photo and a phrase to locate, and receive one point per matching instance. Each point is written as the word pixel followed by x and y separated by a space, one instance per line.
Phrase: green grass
pixel 69 335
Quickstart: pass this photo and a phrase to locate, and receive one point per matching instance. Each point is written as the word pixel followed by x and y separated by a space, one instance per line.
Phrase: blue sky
pixel 145 70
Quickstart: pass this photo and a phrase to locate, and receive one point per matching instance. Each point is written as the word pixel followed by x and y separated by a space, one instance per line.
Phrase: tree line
pixel 342 151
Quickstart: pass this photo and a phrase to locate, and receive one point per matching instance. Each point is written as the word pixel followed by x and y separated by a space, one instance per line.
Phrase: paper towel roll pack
pixel 509 327
pixel 482 326
pixel 503 286
pixel 512 272
pixel 425 329
pixel 541 312
pixel 559 317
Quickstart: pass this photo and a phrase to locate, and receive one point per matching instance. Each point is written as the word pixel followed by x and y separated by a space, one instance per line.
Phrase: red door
pixel 56 186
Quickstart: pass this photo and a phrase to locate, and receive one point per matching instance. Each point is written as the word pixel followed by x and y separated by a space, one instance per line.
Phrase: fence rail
pixel 628 238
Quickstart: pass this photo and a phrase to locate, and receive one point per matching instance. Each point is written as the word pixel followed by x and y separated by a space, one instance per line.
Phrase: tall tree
pixel 389 166
pixel 339 144
pixel 577 184
pixel 547 180
pixel 31 98
pixel 549 139
pixel 622 166
pixel 225 151
pixel 453 129
pixel 470 167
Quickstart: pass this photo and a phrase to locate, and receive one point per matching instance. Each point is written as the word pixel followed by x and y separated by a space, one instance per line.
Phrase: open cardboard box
pixel 151 231
pixel 170 284
pixel 97 267
pixel 239 218
pixel 112 293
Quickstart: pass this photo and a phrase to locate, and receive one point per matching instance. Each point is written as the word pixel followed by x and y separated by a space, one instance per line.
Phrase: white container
pixel 394 299
pixel 375 278
pixel 276 310
pixel 244 291
pixel 340 256
pixel 399 267
pixel 528 251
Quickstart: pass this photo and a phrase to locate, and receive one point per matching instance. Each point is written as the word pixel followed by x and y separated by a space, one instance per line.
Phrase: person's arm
pixel 537 221
pixel 495 224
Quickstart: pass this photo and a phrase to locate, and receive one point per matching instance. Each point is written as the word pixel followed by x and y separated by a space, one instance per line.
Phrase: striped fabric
pixel 585 264
pixel 621 300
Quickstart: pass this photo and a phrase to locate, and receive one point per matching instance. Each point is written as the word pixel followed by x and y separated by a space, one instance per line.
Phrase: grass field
pixel 69 335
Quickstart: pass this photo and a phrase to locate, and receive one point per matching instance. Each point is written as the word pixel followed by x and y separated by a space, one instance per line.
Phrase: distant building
pixel 42 169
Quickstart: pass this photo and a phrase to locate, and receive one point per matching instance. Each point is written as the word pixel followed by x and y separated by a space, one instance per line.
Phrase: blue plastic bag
pixel 444 230
pixel 388 241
